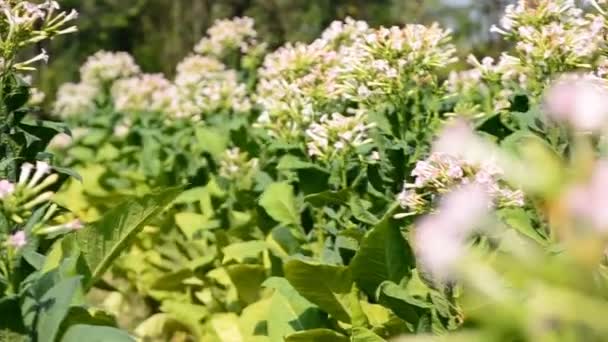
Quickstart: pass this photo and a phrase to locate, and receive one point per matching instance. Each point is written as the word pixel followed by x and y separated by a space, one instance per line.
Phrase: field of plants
pixel 369 185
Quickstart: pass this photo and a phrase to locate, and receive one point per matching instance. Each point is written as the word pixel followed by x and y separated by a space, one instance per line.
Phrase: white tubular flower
pixel 26 23
pixel 6 188
pixel 26 171
pixel 104 67
pixel 336 135
pixel 236 164
pixel 44 197
pixel 42 168
pixel 68 227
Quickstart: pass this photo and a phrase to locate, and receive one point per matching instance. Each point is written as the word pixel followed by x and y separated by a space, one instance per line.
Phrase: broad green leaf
pixel 54 306
pixel 156 327
pixel 241 251
pixel 211 140
pixel 289 312
pixel 518 219
pixel 365 335
pixel 11 324
pixel 290 162
pixel 191 315
pixel 191 195
pixel 94 333
pixel 360 212
pixel 190 223
pixel 279 202
pixel 384 255
pixel 252 321
pixel 317 335
pixel 226 327
pixel 103 241
pixel 248 280
pixel 321 284
pixel 328 198
pixel 401 302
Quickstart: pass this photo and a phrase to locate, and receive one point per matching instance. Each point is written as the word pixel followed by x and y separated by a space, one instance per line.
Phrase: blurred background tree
pixel 159 33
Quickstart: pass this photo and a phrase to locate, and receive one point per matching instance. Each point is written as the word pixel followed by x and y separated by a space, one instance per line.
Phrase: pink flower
pixel 17 240
pixel 440 237
pixel 589 201
pixel 6 188
pixel 74 225
pixel 580 101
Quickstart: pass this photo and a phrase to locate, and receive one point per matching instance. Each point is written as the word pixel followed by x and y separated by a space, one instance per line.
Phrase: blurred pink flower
pixel 440 237
pixel 589 202
pixel 17 240
pixel 580 101
pixel 6 188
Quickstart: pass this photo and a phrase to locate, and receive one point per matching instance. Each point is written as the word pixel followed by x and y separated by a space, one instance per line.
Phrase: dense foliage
pixel 356 187
pixel 48 260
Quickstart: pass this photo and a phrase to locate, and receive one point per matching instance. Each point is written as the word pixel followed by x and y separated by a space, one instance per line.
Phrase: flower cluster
pixel 442 173
pixel 75 99
pixel 550 37
pixel 229 35
pixel 19 200
pixel 235 164
pixel 393 61
pixel 104 67
pixel 146 92
pixel 294 80
pixel 205 86
pixel 350 66
pixel 552 29
pixel 26 23
pixel 336 134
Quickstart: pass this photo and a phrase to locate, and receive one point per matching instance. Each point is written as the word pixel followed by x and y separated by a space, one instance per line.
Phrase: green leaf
pixel 191 195
pixel 317 335
pixel 328 198
pixel 365 335
pixel 289 312
pixel 518 219
pixel 241 251
pixel 190 223
pixel 191 315
pixel 279 202
pixel 384 255
pixel 401 302
pixel 226 327
pixel 252 321
pixel 93 333
pixel 103 241
pixel 248 280
pixel 212 141
pixel 321 284
pixel 290 162
pixel 54 306
pixel 11 323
